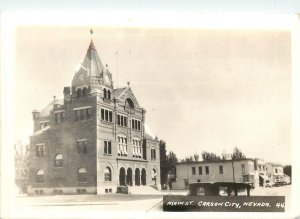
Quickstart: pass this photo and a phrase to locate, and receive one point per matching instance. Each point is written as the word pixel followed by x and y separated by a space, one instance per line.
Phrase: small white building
pixel 275 172
pixel 216 171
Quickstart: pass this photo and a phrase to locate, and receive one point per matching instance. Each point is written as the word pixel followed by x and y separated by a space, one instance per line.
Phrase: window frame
pixel 107 147
pixel 106 115
pixel 243 168
pixel 193 170
pixel 81 146
pixel 206 170
pixel 40 147
pixel 82 176
pixel 107 176
pixel 221 169
pixel 200 170
pixel 59 163
pixel 40 178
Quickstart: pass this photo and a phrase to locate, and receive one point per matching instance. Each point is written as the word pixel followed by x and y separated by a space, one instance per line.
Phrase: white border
pixel 148 19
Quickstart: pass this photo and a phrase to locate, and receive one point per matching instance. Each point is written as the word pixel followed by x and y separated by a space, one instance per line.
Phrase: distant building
pixel 94 139
pixel 260 166
pixel 275 173
pixel 216 171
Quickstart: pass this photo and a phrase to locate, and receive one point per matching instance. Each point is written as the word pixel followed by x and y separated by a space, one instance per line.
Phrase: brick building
pixel 94 139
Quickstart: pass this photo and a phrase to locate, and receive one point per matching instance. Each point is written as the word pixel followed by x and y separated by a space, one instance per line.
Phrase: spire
pixel 92 61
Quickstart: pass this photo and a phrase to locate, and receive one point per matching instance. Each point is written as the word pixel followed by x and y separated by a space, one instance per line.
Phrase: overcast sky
pixel 203 89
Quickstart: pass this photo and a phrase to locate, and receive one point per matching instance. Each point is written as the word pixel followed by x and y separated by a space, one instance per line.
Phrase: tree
pixel 206 156
pixel 172 161
pixel 188 159
pixel 163 162
pixel 196 157
pixel 287 169
pixel 167 162
pixel 237 154
pixel 21 165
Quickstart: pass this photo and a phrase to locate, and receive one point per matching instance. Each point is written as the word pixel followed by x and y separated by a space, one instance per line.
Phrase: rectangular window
pixel 153 154
pixel 44 124
pixel 59 117
pixel 276 171
pixel 88 113
pixel 221 169
pixel 206 170
pixel 102 114
pixel 122 147
pixel 107 147
pixel 136 148
pixel 194 170
pixel 243 169
pixel 122 120
pixel 82 114
pixel 186 182
pixel 200 170
pixel 136 124
pixel 82 146
pixel 106 115
pixel 40 150
pixel 246 178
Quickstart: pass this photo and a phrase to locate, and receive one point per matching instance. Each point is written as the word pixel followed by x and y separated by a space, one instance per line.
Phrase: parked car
pixel 269 184
pixel 280 183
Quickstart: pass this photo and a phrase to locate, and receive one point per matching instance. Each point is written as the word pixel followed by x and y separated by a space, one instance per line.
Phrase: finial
pixel 91 32
pixel 128 83
pixel 54 97
pixel 106 65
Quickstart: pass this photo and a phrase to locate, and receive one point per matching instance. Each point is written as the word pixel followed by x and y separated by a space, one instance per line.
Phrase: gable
pixel 127 93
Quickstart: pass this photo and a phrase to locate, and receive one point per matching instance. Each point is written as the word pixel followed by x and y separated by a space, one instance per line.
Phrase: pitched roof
pixel 41 131
pixel 92 61
pixel 46 111
pixel 117 92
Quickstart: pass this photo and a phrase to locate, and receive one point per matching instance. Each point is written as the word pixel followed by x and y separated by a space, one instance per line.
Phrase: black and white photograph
pixel 149 119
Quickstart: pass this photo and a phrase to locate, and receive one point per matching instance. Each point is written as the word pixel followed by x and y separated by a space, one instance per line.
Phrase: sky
pixel 203 90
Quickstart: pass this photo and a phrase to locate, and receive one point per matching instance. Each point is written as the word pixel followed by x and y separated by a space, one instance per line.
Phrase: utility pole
pixel 232 170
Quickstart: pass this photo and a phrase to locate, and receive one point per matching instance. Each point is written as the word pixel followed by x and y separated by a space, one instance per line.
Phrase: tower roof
pixel 92 61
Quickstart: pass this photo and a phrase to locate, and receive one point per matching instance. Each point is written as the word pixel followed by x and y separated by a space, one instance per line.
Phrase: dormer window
pixel 106 94
pixel 81 92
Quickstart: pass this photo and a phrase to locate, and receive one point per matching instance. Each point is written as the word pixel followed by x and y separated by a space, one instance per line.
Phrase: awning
pixel 264 177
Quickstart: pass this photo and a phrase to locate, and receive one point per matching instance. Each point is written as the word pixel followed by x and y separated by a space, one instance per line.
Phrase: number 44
pixel 279 205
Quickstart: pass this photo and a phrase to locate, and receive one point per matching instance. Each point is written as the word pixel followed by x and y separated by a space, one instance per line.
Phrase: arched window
pixel 153 174
pixel 81 175
pixel 129 103
pixel 40 176
pixel 104 93
pixel 107 174
pixel 78 92
pixel 108 94
pixel 58 160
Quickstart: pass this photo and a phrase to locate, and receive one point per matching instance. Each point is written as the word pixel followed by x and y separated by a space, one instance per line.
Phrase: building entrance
pixel 137 177
pixel 143 177
pixel 129 177
pixel 122 176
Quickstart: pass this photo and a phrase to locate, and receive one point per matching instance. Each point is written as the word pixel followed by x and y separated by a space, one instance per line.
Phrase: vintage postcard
pixel 108 114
